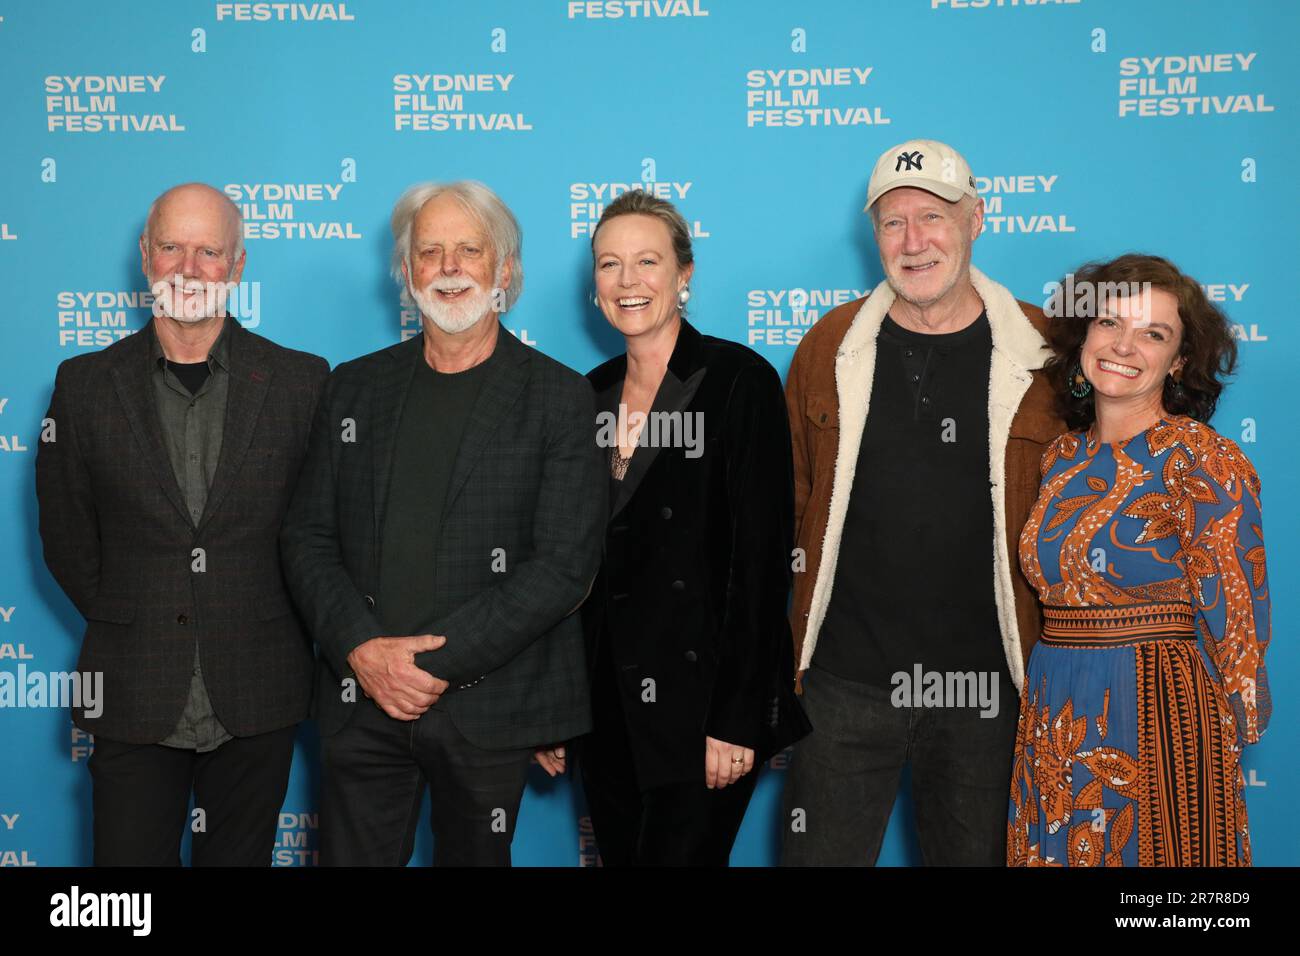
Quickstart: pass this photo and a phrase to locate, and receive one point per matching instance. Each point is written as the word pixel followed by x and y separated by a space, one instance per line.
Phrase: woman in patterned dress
pixel 1146 548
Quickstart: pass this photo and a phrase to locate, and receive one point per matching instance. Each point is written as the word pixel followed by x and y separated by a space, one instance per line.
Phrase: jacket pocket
pixel 111 609
pixel 822 410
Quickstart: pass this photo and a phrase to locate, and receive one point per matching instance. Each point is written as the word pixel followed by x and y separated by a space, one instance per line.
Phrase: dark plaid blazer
pixel 120 542
pixel 527 480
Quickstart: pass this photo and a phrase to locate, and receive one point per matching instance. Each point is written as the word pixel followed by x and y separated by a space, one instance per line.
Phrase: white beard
pixel 210 300
pixel 464 313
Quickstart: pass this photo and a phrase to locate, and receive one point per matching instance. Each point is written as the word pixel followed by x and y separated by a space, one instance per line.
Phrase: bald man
pixel 162 486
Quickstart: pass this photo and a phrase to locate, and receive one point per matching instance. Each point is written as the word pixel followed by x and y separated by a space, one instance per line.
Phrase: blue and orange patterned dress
pixel 1148 556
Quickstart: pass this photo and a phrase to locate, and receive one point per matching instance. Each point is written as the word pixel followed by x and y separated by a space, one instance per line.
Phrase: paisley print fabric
pixel 1148 556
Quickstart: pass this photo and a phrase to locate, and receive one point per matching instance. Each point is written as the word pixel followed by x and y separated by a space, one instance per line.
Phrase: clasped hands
pixel 387 672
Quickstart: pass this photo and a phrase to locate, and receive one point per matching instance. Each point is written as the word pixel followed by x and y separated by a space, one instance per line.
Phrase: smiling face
pixel 925 243
pixel 1131 346
pixel 637 275
pixel 452 270
pixel 193 233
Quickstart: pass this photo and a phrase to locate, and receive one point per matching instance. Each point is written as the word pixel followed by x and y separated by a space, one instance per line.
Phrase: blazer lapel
pixel 500 390
pixel 386 403
pixel 133 383
pixel 607 401
pixel 250 378
pixel 676 392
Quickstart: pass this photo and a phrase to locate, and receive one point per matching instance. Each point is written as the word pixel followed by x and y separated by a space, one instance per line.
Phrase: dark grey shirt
pixel 192 427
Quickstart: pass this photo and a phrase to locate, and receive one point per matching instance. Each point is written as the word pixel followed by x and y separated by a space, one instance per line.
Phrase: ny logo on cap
pixel 913 160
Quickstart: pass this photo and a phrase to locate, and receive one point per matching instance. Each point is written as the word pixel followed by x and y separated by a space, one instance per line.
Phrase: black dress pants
pixel 373 776
pixel 141 797
pixel 677 824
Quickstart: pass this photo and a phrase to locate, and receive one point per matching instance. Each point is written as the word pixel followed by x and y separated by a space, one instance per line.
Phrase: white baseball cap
pixel 924 164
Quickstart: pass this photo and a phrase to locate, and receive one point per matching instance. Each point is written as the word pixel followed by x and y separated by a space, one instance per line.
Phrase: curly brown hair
pixel 1208 348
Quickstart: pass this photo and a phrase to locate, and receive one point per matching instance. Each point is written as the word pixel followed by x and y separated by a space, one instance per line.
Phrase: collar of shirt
pixel 218 355
pixel 891 331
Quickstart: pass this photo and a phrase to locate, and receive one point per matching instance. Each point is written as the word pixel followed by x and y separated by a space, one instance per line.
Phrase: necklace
pixel 618 464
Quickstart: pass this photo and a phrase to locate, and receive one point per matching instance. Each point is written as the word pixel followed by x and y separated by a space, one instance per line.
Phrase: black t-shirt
pixel 914 579
pixel 437 408
pixel 191 374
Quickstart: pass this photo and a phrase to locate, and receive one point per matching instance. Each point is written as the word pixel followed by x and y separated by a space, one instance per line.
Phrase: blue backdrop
pixel 1093 126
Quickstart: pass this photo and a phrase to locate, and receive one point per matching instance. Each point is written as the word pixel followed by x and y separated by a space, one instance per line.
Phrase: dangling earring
pixel 595 300
pixel 1179 393
pixel 1079 385
pixel 683 296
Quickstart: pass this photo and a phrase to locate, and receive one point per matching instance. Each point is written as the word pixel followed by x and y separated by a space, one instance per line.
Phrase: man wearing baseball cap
pixel 919 414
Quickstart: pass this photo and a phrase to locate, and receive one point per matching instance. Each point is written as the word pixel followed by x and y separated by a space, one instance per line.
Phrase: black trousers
pixel 678 824
pixel 843 777
pixel 142 795
pixel 373 776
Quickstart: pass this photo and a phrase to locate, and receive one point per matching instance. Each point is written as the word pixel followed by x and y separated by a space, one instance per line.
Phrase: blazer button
pixel 691 656
pixel 665 512
pixel 182 619
pixel 679 585
pixel 370 602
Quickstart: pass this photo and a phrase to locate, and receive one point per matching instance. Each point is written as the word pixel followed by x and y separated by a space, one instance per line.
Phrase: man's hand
pixel 385 668
pixel 725 763
pixel 551 758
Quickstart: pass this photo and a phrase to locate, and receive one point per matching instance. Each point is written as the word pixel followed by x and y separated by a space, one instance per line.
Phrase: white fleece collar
pixel 1013 335
pixel 1017 350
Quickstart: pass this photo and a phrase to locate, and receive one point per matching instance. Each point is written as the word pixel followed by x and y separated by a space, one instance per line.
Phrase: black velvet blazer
pixel 689 606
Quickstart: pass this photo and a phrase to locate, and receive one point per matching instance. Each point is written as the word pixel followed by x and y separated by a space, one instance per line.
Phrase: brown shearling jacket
pixel 827 393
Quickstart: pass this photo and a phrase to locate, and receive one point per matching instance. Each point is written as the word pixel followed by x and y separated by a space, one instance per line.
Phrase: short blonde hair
pixel 638 202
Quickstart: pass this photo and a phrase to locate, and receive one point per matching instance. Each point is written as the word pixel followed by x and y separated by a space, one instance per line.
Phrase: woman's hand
pixel 551 758
pixel 725 763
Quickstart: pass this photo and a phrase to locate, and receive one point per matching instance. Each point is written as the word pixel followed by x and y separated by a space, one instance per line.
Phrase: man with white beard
pixel 162 481
pixel 447 524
